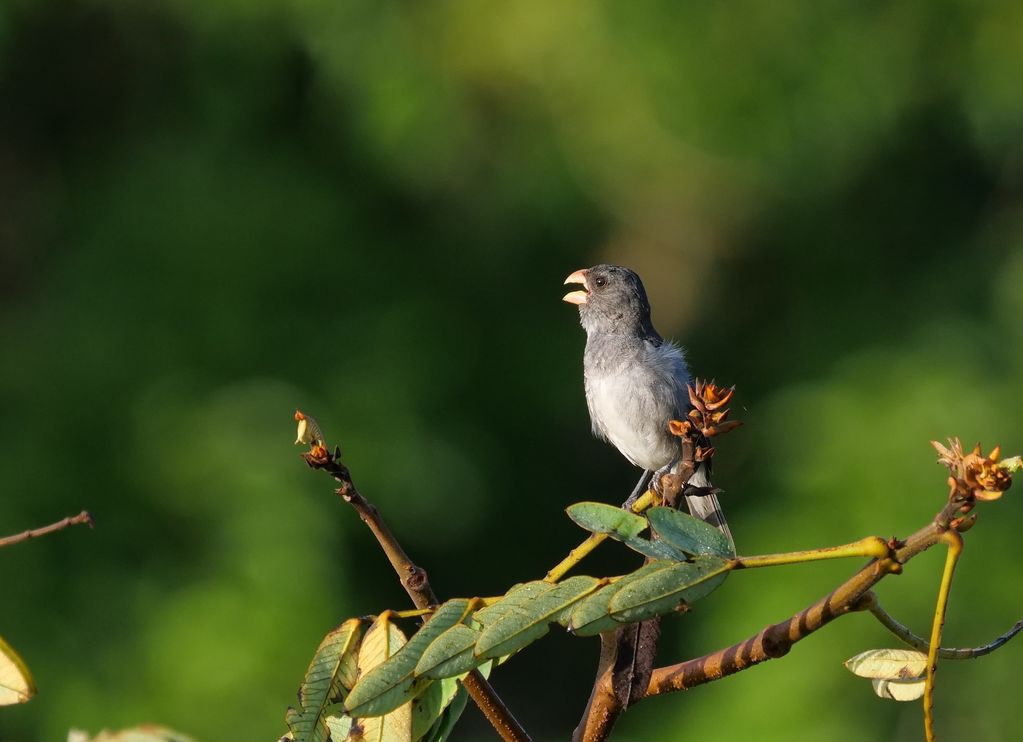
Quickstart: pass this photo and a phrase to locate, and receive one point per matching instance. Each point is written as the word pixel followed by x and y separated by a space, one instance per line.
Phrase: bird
pixel 636 381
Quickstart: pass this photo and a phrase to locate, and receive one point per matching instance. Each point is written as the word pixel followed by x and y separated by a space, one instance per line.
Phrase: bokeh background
pixel 214 213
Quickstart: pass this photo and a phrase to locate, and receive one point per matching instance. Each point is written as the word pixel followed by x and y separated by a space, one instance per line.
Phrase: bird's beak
pixel 576 297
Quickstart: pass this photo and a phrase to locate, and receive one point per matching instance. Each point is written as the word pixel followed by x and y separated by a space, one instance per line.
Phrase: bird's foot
pixel 638 490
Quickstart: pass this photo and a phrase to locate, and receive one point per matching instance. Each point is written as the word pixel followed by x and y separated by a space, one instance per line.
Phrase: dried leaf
pixel 888 664
pixel 899 690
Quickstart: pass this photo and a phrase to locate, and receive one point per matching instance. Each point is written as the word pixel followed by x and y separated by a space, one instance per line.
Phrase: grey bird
pixel 635 381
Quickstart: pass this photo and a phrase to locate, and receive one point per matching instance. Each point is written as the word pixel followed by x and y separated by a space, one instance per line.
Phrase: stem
pixel 870 603
pixel 60 525
pixel 872 546
pixel 416 583
pixel 955 549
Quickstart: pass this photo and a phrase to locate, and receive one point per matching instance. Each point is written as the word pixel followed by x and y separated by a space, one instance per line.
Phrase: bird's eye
pixel 601 282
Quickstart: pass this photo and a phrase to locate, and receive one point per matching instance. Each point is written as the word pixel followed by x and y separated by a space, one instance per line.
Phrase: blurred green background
pixel 214 213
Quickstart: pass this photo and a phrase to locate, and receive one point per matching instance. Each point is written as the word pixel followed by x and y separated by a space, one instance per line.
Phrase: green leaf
pixel 330 675
pixel 450 654
pixel 428 707
pixel 528 620
pixel 599 517
pixel 382 641
pixel 657 550
pixel 443 727
pixel 393 683
pixel 520 594
pixel 661 591
pixel 689 534
pixel 16 683
pixel 591 615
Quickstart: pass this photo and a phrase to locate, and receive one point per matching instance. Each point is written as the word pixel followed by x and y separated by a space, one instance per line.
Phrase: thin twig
pixel 870 603
pixel 60 525
pixel 416 583
pixel 955 549
pixel 872 546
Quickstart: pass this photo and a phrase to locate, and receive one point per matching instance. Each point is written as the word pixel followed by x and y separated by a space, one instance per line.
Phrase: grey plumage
pixel 635 381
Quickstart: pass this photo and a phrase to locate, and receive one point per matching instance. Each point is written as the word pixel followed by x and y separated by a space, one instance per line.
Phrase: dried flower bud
pixel 973 475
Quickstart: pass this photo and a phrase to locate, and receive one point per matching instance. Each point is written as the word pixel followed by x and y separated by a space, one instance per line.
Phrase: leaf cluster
pixel 355 684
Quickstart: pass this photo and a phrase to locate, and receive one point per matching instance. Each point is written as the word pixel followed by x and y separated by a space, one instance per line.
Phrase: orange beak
pixel 576 297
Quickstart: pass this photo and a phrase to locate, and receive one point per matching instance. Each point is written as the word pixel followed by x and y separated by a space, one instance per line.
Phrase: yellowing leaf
pixel 330 676
pixel 899 690
pixel 393 683
pixel 888 664
pixel 16 684
pixel 382 640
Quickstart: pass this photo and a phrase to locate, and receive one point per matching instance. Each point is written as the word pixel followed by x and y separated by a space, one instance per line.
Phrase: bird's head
pixel 612 299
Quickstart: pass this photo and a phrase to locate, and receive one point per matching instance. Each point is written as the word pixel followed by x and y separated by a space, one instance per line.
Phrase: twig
pixel 416 583
pixel 60 525
pixel 870 603
pixel 955 549
pixel 872 546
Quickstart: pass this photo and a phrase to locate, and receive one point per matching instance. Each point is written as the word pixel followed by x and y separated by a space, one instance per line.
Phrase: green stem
pixel 872 547
pixel 596 539
pixel 955 548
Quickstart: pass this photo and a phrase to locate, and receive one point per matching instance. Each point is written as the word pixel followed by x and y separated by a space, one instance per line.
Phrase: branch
pixel 870 603
pixel 776 640
pixel 60 525
pixel 413 578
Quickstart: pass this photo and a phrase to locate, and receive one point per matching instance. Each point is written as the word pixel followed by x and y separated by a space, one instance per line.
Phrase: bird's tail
pixel 707 507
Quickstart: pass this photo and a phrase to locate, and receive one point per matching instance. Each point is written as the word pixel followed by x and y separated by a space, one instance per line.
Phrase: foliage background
pixel 213 213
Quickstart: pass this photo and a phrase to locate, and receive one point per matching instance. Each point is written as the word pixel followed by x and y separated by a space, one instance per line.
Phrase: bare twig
pixel 416 583
pixel 870 603
pixel 60 525
pixel 955 549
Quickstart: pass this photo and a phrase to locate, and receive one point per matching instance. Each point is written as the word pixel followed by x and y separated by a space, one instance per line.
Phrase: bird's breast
pixel 630 406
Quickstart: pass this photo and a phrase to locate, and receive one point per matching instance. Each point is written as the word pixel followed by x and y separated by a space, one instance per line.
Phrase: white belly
pixel 635 425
